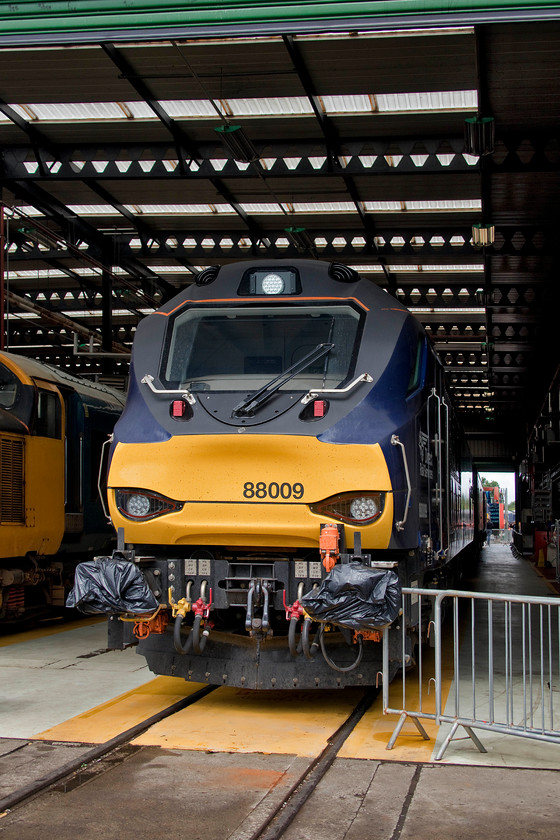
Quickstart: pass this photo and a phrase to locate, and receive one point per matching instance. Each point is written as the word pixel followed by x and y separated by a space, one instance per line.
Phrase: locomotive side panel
pixel 45 523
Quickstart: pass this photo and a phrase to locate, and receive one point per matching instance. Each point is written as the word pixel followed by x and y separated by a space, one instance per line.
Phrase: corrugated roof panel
pixel 280 106
pixel 188 108
pixel 348 104
pixel 276 106
pixel 67 112
pixel 457 268
pixel 474 204
pixel 93 210
pixel 324 207
pixel 452 100
pixel 447 100
pixel 177 209
pixel 261 208
pixel 383 206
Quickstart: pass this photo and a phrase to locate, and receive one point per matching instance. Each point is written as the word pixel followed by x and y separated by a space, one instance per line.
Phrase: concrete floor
pixel 152 792
pixel 47 677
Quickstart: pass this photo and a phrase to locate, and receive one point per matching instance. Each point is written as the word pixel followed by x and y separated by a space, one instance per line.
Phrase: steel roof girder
pixel 74 227
pixel 293 167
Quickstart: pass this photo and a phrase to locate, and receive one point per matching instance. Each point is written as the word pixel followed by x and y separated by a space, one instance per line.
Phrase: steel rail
pixel 285 813
pixel 33 788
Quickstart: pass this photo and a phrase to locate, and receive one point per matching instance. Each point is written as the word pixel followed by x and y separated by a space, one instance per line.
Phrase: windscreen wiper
pixel 250 404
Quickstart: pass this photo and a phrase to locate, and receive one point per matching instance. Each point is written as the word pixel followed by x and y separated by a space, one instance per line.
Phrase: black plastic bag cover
pixel 356 596
pixel 110 585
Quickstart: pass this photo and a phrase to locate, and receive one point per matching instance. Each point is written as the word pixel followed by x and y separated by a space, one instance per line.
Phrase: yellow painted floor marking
pixel 549 583
pixel 47 629
pixel 109 719
pixel 372 734
pixel 238 720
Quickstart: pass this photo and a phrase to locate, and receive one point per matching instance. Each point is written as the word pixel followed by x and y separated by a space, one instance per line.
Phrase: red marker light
pixel 319 408
pixel 178 408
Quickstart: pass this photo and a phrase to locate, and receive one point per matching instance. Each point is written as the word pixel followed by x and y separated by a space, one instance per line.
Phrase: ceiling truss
pixel 104 220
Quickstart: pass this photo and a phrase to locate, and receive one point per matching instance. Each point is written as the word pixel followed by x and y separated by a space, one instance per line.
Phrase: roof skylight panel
pixel 69 112
pixel 383 206
pixel 93 210
pixel 140 110
pixel 368 268
pixel 447 310
pixel 450 100
pixel 324 207
pixel 425 205
pixel 171 269
pixel 279 106
pixel 443 205
pixel 189 108
pixel 350 104
pixel 455 205
pixel 437 269
pixel 29 210
pixel 261 208
pixel 177 209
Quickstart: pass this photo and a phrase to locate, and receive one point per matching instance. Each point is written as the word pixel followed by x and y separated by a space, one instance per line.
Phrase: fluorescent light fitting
pixel 483 235
pixel 479 136
pixel 238 143
pixel 300 238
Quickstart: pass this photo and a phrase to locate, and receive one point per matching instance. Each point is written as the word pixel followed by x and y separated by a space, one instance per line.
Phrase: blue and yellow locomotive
pixel 52 428
pixel 283 419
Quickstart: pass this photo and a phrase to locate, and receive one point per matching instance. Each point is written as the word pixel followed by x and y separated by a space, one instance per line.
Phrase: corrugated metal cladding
pixel 82 20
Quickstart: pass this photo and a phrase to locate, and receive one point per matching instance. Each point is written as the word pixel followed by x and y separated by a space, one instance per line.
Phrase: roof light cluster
pixel 272 208
pixel 279 106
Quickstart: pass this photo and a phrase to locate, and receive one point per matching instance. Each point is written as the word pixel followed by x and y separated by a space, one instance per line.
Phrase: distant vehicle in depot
pixel 287 459
pixel 52 428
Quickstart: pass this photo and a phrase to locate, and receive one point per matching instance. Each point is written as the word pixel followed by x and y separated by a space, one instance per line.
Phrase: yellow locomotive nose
pixel 249 490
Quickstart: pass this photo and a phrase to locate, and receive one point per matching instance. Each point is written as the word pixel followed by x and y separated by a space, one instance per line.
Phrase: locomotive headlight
pixel 272 284
pixel 361 508
pixel 141 505
pixel 365 507
pixel 270 281
pixel 138 506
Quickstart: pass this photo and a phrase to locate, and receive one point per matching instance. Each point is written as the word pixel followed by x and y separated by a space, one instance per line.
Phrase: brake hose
pixel 179 647
pixel 339 668
pixel 309 650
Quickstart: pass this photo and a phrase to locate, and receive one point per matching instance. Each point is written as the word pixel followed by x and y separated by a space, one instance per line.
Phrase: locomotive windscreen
pixel 16 402
pixel 221 348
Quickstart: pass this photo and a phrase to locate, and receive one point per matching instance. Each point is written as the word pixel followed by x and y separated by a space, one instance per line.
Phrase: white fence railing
pixel 493 663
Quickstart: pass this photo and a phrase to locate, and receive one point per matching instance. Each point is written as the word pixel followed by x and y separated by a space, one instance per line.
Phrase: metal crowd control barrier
pixel 494 665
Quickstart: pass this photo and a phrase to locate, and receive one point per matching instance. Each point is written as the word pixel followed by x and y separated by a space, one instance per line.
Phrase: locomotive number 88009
pixel 287 429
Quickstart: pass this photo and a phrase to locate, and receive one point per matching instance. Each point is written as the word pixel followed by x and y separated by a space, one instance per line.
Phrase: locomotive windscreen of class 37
pixel 287 458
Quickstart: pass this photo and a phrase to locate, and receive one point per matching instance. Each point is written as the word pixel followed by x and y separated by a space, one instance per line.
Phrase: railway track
pixel 277 823
pixel 98 752
pixel 272 825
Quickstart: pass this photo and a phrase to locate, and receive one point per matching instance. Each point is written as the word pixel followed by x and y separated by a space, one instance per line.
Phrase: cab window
pixel 9 387
pixel 219 348
pixel 417 369
pixel 48 417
